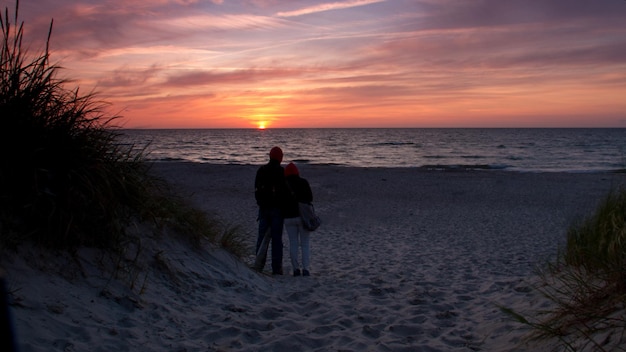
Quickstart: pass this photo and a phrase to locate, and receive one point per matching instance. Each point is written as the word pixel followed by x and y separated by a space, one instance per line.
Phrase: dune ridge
pixel 406 259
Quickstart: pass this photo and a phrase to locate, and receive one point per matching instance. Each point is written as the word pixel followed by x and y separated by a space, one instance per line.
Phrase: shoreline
pixel 404 260
pixel 425 168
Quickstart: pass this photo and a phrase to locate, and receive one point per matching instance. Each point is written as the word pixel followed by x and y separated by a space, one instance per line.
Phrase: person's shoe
pixel 306 273
pixel 277 272
pixel 296 272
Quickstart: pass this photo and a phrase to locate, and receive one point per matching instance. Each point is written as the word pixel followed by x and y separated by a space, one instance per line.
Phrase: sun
pixel 262 125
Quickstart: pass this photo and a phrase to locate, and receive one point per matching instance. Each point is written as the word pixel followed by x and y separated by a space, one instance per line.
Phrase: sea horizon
pixel 559 149
pixel 367 128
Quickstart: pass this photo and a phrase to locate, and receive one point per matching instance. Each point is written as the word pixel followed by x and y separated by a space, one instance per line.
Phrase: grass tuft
pixel 233 238
pixel 598 245
pixel 65 180
pixel 587 284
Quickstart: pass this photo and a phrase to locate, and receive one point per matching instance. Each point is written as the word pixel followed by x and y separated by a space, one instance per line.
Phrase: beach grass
pixel 65 180
pixel 598 245
pixel 586 285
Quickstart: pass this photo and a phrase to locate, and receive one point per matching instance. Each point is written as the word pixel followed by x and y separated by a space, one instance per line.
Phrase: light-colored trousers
pixel 298 239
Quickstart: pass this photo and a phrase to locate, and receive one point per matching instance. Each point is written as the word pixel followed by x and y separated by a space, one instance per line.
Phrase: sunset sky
pixel 352 63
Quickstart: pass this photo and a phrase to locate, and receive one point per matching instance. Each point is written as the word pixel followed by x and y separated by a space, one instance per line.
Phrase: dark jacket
pixel 299 191
pixel 270 189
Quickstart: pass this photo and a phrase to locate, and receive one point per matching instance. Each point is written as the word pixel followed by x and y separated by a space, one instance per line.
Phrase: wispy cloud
pixel 233 77
pixel 223 22
pixel 327 7
pixel 346 60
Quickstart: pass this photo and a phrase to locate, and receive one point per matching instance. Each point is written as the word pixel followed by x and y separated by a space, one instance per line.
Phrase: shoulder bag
pixel 310 220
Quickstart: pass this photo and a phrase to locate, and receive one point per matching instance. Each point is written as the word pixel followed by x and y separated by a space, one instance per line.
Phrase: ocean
pixel 522 150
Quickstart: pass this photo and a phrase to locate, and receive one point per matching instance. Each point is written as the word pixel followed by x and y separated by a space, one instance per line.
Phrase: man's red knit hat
pixel 276 154
pixel 291 169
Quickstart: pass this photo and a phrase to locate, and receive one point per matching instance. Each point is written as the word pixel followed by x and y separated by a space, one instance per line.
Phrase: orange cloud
pixel 362 63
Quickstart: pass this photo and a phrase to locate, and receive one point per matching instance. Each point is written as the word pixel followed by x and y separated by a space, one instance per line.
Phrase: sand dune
pixel 406 260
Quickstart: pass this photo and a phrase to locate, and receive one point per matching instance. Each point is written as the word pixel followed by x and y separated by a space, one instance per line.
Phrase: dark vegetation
pixel 65 181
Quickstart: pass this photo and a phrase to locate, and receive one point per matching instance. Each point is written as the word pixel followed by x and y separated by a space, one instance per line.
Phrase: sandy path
pixel 409 258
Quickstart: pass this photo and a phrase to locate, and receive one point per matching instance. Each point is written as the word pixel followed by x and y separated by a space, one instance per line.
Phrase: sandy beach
pixel 405 260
